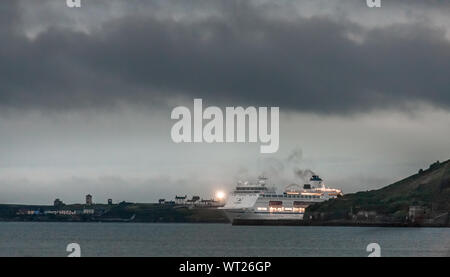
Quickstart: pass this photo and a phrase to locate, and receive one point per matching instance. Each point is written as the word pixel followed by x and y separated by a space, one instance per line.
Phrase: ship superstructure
pixel 258 201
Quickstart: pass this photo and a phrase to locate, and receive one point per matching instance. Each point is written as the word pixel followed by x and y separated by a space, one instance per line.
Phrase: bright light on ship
pixel 220 195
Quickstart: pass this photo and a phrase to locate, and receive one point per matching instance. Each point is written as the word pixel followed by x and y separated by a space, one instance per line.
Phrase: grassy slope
pixel 429 188
pixel 158 213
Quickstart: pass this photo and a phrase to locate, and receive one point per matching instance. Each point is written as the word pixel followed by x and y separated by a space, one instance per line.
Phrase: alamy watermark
pixel 235 120
pixel 77 3
pixel 374 3
pixel 74 250
pixel 73 3
pixel 374 249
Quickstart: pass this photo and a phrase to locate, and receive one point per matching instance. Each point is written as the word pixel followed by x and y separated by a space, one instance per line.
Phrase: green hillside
pixel 428 188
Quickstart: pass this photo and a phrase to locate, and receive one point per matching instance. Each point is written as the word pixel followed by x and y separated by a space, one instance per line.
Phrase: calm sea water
pixel 119 239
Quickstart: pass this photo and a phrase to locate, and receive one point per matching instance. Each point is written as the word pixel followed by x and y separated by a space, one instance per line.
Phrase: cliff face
pixel 429 188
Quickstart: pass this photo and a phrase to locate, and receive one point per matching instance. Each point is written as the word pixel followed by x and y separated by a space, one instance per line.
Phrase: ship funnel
pixel 315 181
pixel 262 180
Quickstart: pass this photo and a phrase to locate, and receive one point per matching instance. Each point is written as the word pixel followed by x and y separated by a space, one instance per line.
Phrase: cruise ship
pixel 258 201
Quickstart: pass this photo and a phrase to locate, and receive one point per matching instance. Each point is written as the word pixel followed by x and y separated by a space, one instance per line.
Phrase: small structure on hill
pixel 88 199
pixel 417 213
pixel 180 200
pixel 58 203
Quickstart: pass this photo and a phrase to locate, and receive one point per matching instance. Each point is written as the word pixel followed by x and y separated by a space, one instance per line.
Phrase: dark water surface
pixel 135 239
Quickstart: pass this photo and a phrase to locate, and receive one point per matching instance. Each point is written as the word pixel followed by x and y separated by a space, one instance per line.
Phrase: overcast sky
pixel 86 94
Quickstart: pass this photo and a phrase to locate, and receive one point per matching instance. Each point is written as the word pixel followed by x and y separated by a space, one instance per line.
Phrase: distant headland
pixel 181 209
pixel 421 200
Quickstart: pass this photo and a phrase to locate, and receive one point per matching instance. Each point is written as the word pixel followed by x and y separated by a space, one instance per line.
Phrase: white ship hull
pixel 242 214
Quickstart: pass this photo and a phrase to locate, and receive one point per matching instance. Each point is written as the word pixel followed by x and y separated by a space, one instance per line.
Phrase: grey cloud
pixel 306 64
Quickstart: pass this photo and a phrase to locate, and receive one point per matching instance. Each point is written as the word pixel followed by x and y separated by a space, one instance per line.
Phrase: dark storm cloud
pixel 315 64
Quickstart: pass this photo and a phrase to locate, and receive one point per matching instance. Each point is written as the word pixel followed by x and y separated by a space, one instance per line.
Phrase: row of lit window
pixel 282 209
pixel 291 196
pixel 250 188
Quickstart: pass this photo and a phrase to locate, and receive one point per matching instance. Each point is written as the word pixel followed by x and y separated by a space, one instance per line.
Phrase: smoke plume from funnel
pixel 304 174
pixel 295 157
pixel 295 160
pixel 280 172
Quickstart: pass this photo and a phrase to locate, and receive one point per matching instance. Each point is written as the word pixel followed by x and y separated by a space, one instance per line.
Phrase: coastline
pixel 246 223
pixel 156 213
pixel 125 212
pixel 334 223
